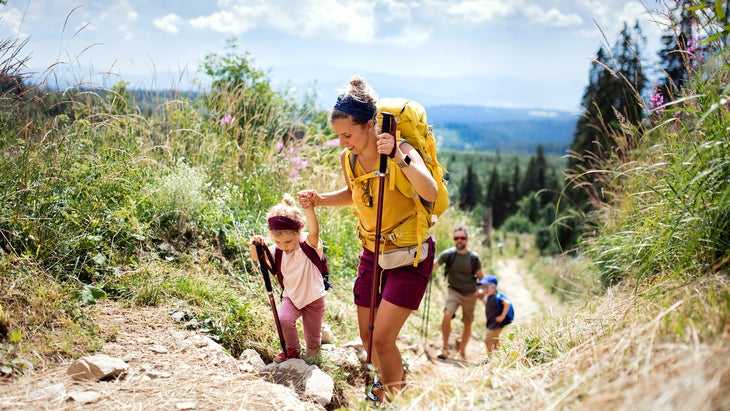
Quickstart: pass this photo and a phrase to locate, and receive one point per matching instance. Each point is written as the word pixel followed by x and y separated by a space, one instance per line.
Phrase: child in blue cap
pixel 498 308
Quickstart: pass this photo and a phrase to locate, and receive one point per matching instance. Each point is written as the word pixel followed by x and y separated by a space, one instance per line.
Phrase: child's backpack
pixel 313 256
pixel 412 126
pixel 498 297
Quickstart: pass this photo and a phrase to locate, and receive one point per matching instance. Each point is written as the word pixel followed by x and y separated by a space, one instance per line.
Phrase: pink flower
pixel 656 101
pixel 225 120
pixel 333 143
pixel 279 145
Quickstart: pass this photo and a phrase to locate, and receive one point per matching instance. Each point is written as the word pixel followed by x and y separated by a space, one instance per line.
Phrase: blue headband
pixel 354 107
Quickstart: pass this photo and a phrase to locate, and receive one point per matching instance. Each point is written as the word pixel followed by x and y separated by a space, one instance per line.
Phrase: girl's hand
pixel 308 198
pixel 258 239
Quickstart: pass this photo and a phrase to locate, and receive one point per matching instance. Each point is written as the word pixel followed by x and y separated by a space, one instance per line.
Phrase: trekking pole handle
pixel 388 126
pixel 262 264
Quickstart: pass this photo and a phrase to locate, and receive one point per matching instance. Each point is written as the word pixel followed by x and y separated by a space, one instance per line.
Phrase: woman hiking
pixel 401 289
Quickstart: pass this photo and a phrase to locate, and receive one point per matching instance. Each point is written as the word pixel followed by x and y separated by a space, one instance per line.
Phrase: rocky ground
pixel 170 368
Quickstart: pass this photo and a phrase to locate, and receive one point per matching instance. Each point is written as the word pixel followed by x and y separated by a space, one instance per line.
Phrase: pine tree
pixel 611 99
pixel 673 58
pixel 515 192
pixel 469 189
pixel 536 174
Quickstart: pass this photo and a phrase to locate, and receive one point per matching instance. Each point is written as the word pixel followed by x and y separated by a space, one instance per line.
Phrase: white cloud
pixel 169 23
pixel 552 17
pixel 542 113
pixel 237 18
pixel 480 11
pixel 121 15
pixel 10 21
pixel 354 22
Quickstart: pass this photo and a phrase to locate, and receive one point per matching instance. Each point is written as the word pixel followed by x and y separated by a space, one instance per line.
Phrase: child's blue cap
pixel 488 279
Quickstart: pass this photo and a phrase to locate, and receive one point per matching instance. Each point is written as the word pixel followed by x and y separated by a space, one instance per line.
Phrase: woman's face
pixel 354 137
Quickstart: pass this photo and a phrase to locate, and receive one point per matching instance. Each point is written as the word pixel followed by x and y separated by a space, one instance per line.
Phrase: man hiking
pixel 463 269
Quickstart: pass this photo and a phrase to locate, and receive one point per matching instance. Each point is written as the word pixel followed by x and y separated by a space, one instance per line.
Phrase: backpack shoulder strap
pixel 277 265
pixel 350 169
pixel 311 253
pixel 320 263
pixel 449 261
pixel 474 262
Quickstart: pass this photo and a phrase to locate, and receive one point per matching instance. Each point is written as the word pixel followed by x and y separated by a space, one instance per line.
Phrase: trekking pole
pixel 387 127
pixel 427 312
pixel 262 253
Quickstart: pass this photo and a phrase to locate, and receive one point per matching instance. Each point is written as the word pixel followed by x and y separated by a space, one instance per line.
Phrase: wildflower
pixel 333 143
pixel 225 120
pixel 695 50
pixel 692 46
pixel 279 145
pixel 656 101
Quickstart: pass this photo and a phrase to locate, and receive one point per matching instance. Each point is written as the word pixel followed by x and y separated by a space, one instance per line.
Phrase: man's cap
pixel 488 279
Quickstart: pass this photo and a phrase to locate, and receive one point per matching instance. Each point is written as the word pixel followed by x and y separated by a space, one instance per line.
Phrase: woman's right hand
pixel 308 198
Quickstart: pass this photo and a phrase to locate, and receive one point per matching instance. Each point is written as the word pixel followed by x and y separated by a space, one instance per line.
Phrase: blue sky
pixel 504 53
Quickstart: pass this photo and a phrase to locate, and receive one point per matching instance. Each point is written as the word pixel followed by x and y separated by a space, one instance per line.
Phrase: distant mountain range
pixel 469 128
pixel 475 128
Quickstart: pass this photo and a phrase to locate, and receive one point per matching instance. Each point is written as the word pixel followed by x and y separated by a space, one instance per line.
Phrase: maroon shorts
pixel 402 286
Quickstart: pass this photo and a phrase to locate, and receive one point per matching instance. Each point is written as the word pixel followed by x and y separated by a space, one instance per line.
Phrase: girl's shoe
pixel 289 355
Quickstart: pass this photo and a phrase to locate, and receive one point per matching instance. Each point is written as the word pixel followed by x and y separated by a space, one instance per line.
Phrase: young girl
pixel 303 294
pixel 402 288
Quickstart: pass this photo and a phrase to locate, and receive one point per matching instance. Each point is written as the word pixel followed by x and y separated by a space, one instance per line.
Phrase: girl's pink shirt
pixel 302 281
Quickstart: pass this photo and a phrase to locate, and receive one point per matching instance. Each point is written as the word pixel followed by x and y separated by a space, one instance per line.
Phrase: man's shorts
pixel 466 301
pixel 402 286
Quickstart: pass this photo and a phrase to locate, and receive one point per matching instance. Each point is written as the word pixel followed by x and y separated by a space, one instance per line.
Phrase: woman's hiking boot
pixel 371 396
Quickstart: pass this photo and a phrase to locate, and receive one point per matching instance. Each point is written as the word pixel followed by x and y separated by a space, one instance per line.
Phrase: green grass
pixel 99 200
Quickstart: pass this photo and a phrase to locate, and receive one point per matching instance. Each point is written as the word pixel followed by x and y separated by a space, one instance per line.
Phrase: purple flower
pixel 225 120
pixel 279 145
pixel 333 143
pixel 656 101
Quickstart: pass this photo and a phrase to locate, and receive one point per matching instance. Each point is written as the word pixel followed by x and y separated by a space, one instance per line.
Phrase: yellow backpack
pixel 412 126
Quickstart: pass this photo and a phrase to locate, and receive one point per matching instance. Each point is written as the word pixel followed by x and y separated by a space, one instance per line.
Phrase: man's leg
pixel 467 308
pixel 445 334
pixel 464 341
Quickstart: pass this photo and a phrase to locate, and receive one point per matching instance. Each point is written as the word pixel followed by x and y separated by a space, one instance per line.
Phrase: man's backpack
pixel 450 261
pixel 311 253
pixel 412 126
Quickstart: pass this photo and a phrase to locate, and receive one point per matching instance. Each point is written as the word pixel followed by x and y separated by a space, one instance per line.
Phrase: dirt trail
pixel 529 299
pixel 184 371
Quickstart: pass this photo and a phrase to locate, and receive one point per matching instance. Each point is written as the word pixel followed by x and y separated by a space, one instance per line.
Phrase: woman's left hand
pixel 386 144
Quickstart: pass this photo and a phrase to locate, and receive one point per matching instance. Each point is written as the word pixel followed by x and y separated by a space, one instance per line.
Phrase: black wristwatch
pixel 405 163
